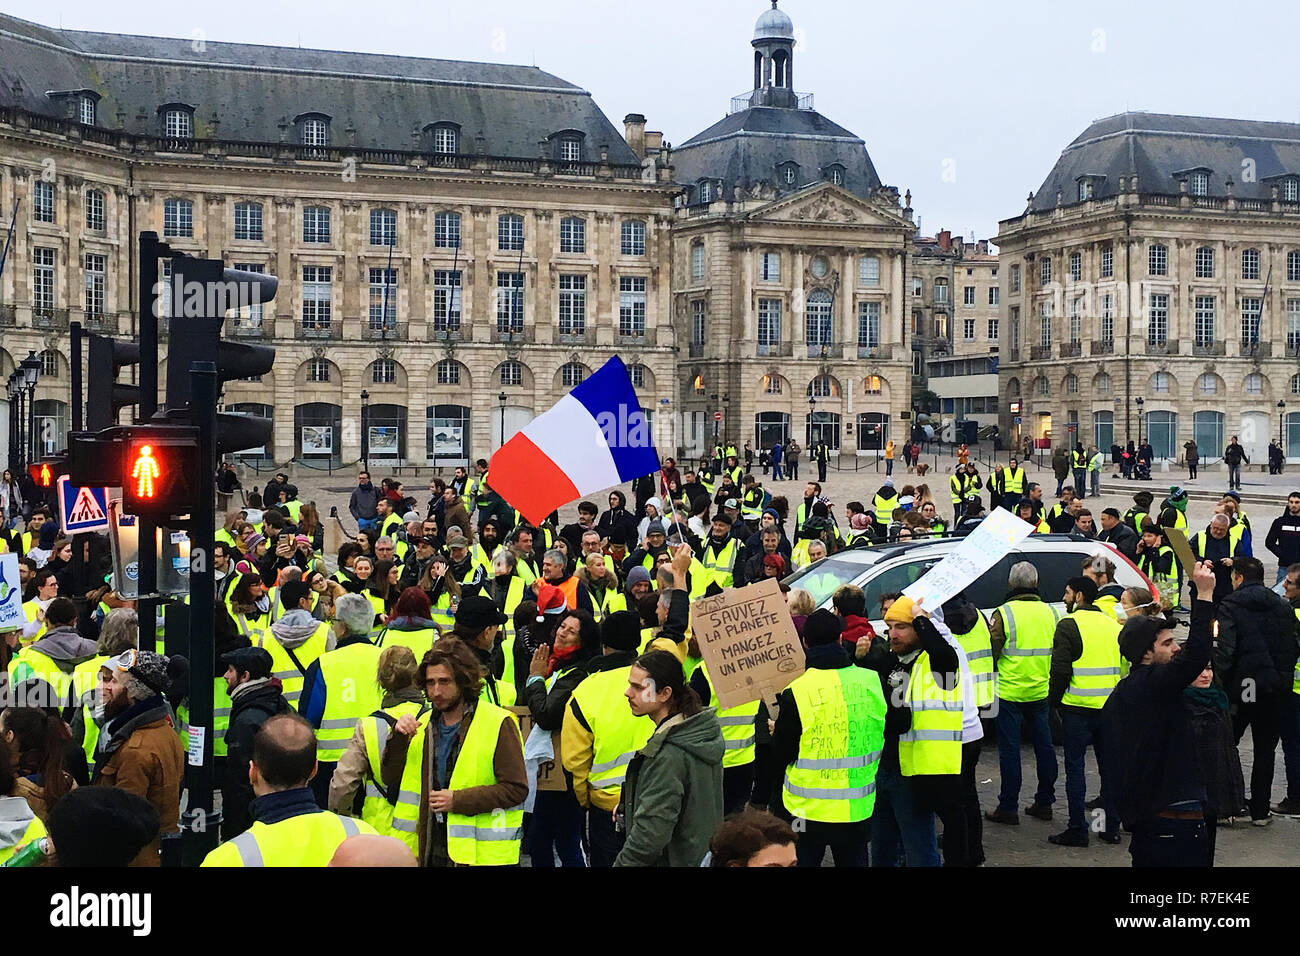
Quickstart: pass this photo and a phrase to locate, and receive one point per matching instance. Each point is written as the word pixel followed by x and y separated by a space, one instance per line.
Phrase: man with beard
pixel 489 542
pixel 646 556
pixel 572 533
pixel 139 749
pixel 754 542
pixel 416 563
pixel 769 543
pixel 465 766
pixel 721 555
pixel 455 515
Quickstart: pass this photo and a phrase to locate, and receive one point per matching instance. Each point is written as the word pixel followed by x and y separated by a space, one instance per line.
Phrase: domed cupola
pixel 774 60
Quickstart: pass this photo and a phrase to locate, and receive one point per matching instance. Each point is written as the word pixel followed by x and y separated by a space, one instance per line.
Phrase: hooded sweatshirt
pixel 64 646
pixel 295 627
pixel 645 521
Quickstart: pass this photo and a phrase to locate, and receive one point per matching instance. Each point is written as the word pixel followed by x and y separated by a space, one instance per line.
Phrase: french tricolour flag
pixel 595 437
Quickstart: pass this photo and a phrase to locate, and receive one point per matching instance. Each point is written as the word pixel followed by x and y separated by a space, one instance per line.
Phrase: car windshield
pixel 821 579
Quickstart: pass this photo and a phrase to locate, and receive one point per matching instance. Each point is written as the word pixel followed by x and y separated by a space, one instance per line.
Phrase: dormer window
pixel 1199 184
pixel 706 191
pixel 177 121
pixel 443 138
pixel 788 173
pixel 1083 190
pixel 315 131
pixel 570 150
pixel 834 174
pixel 86 110
pixel 1291 189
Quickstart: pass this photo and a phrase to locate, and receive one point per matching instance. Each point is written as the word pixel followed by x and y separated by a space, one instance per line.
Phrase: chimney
pixel 945 240
pixel 634 133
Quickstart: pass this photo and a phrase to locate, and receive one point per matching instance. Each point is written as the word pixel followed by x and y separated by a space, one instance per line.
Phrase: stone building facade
pixel 789 266
pixel 1151 288
pixel 463 275
pixel 963 371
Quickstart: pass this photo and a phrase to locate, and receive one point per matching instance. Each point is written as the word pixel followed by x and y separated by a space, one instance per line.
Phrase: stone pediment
pixel 829 205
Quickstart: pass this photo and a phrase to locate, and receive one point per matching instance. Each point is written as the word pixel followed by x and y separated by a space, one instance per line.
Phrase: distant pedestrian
pixel 792 453
pixel 778 455
pixel 889 458
pixel 1192 455
pixel 1234 456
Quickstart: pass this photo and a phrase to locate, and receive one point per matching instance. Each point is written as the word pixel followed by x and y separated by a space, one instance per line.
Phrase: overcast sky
pixel 966 104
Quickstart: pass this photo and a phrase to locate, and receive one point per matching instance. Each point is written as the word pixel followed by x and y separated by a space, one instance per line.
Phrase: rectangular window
pixel 248 220
pixel 573 235
pixel 178 124
pixel 87 111
pixel 43 281
pixel 95 280
pixel 1106 329
pixel 699 320
pixel 769 321
pixel 510 301
pixel 383 299
pixel 993 295
pixel 1107 262
pixel 868 325
pixel 249 317
pixel 968 330
pixel 993 330
pixel 1293 323
pixel 633 238
pixel 1076 320
pixel 940 326
pixel 1015 328
pixel 446 300
pixel 1251 309
pixel 570 150
pixel 383 372
pixel 1205 263
pixel 383 227
pixel 631 305
pixel 1250 263
pixel 178 218
pixel 1293 266
pixel 1158 260
pixel 446 230
pixel 510 233
pixel 769 269
pixel 1045 325
pixel 444 140
pixel 573 305
pixel 940 291
pixel 697 261
pixel 1158 319
pixel 317 297
pixel 43 202
pixel 1045 270
pixel 165 297
pixel 95 210
pixel 316 224
pixel 1015 279
pixel 1204 320
pixel 918 287
pixel 868 271
pixel 1076 266
pixel 968 296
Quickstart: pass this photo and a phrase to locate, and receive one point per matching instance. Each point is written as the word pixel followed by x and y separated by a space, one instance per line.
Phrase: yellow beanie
pixel 900 610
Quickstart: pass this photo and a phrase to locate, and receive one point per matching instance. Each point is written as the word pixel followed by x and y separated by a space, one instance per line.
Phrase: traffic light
pixel 160 471
pixel 203 290
pixel 105 396
pixel 46 472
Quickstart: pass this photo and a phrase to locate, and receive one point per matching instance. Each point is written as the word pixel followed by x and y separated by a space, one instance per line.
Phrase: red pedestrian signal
pixel 160 474
pixel 45 474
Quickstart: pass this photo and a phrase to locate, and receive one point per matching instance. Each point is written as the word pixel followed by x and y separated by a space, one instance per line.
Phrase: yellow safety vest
pixel 35 831
pixel 721 567
pixel 253 628
pixel 884 508
pixel 1013 482
pixel 351 676
pixel 1295 683
pixel 737 726
pixel 308 839
pixel 30 663
pixel 1097 670
pixel 29 609
pixel 617 733
pixel 221 704
pixel 1026 662
pixel 390 526
pixel 398 819
pixel 486 839
pixel 418 640
pixel 933 744
pixel 978 645
pixel 479 556
pixel 751 504
pixel 282 662
pixel 85 684
pixel 833 779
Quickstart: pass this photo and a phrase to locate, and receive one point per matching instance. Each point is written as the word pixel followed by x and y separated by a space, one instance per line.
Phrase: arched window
pixel 637 374
pixel 818 322
pixel 871 385
pixel 772 384
pixel 1204 262
pixel 1254 383
pixel 383 372
pixel 178 124
pixel 95 210
pixel 1295 384
pixel 1250 263
pixel 316 132
pixel 698 384
pixel 1071 384
pixel 1101 384
pixel 1043 387
pixel 318 370
pixel 697 261
pixel 572 374
pixel 824 386
pixel 1207 384
pixel 1160 382
pixel 512 373
pixel 448 372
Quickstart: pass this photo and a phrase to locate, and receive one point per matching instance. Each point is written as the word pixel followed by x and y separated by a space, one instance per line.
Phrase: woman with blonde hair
pixel 800 603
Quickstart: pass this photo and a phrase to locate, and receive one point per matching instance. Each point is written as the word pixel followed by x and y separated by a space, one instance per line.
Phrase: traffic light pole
pixel 150 250
pixel 201 823
pixel 75 329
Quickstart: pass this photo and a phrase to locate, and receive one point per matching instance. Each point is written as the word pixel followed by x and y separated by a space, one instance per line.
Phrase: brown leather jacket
pixel 150 763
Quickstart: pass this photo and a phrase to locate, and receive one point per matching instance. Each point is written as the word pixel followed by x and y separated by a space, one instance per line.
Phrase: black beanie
pixel 101 827
pixel 822 627
pixel 1084 587
pixel 1138 635
pixel 621 631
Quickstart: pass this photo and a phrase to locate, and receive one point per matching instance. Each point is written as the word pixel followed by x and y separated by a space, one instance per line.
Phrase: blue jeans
pixel 1008 721
pixel 556 829
pixel 1281 573
pixel 899 824
pixel 776 471
pixel 1166 843
pixel 1080 482
pixel 1096 482
pixel 1080 730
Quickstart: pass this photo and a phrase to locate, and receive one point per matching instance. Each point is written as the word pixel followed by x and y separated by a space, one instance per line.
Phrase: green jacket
pixel 672 797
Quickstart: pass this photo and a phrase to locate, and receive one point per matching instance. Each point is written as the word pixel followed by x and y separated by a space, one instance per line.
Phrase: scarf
pixel 1212 696
pixel 561 658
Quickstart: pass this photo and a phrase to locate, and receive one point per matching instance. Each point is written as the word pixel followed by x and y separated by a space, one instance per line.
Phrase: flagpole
pixel 9 238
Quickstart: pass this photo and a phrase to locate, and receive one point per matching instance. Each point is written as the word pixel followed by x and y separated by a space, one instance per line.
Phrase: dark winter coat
pixel 1284 538
pixel 1255 653
pixel 1123 538
pixel 249 710
pixel 1216 755
pixel 1234 454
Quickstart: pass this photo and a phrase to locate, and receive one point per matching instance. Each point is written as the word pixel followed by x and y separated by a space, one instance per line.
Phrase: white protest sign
pixel 11 595
pixel 980 550
pixel 748 642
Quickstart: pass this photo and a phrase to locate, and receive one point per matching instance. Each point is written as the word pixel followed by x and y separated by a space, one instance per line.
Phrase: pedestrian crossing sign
pixel 82 508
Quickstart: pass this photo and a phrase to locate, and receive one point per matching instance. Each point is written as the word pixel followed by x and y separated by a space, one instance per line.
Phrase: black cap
pixel 1113 512
pixel 255 660
pixel 101 827
pixel 477 613
pixel 621 631
pixel 822 627
pixel 1084 587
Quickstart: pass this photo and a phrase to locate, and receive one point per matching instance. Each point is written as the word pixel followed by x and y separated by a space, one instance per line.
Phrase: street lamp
pixel 14 393
pixel 1281 424
pixel 31 369
pixel 812 411
pixel 365 429
pixel 502 400
pixel 1140 402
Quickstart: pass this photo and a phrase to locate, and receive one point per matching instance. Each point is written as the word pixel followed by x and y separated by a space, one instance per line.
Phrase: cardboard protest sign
pixel 980 550
pixel 550 773
pixel 748 642
pixel 12 617
pixel 1177 539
